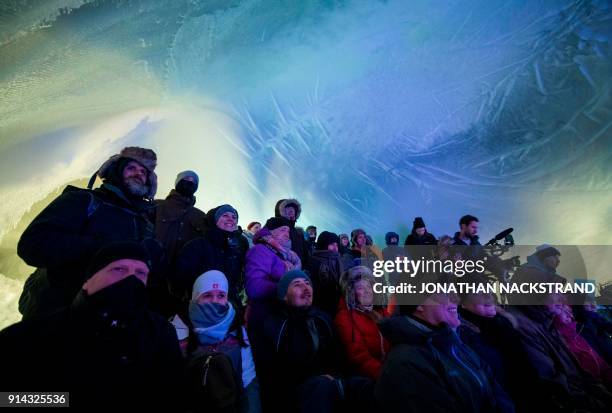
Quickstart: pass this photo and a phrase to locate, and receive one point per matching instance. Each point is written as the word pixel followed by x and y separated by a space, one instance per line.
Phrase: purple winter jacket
pixel 263 269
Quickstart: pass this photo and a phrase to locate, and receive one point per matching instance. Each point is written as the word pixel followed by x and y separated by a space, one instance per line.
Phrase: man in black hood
pixel 105 348
pixel 62 239
pixel 292 209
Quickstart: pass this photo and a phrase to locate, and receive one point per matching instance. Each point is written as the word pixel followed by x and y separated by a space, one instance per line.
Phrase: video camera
pixel 499 268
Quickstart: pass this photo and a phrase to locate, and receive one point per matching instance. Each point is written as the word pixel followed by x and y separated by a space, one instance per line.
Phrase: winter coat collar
pixel 459 241
pixel 403 329
pixel 118 197
pixel 183 200
pixel 326 254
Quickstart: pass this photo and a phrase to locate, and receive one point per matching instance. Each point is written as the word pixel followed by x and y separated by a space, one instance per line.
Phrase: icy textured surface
pixel 370 112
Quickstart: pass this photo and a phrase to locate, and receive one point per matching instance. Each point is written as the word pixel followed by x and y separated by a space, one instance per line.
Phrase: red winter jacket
pixel 365 346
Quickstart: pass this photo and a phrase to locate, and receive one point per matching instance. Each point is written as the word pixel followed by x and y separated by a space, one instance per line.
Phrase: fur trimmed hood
pixel 279 209
pixel 145 157
pixel 348 280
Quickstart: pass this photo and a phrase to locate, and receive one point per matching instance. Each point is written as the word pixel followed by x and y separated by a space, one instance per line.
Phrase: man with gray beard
pixel 62 239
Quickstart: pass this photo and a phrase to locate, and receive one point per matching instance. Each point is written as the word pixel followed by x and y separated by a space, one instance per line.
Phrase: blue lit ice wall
pixel 370 112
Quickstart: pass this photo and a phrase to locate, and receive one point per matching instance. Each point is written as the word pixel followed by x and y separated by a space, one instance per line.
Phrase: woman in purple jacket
pixel 266 262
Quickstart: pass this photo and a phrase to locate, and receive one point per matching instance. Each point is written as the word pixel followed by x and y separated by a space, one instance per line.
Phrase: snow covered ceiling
pixel 369 112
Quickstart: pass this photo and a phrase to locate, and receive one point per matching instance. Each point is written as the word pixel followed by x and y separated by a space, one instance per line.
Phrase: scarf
pixel 211 321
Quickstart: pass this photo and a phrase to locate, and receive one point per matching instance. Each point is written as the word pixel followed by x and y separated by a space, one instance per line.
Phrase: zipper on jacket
pixel 472 372
pixel 280 333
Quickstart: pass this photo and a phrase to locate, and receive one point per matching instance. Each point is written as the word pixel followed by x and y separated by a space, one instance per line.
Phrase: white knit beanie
pixel 210 280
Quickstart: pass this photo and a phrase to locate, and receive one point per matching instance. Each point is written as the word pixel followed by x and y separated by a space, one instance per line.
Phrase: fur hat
pixel 145 157
pixel 279 210
pixel 390 235
pixel 348 280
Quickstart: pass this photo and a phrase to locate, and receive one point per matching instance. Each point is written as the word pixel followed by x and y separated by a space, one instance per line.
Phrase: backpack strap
pixel 94 201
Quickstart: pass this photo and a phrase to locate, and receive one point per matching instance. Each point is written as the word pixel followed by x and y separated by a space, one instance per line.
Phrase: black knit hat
pixel 418 223
pixel 277 222
pixel 326 238
pixel 115 251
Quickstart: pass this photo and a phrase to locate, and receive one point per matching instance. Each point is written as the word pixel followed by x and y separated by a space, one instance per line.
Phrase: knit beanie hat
pixel 326 238
pixel 277 222
pixel 115 251
pixel 546 250
pixel 283 283
pixel 418 223
pixel 223 209
pixel 186 174
pixel 210 280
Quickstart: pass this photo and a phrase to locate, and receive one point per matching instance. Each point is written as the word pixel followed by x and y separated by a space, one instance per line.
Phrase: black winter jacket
pixel 103 363
pixel 63 238
pixel 216 250
pixel 431 370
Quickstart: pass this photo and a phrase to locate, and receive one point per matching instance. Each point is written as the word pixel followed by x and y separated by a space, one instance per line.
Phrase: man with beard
pixel 61 240
pixel 222 247
pixel 541 267
pixel 177 220
pixel 300 364
pixel 106 348
pixel 466 239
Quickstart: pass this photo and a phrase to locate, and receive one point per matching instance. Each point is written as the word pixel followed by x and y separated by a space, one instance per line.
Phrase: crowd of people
pixel 145 302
